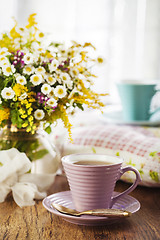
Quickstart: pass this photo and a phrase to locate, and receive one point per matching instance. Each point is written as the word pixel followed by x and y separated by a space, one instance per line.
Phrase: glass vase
pixel 38 147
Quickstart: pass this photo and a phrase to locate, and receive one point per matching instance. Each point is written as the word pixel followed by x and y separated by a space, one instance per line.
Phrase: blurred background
pixel 125 32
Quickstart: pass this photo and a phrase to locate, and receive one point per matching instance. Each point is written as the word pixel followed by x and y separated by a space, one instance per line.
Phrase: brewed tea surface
pixel 92 162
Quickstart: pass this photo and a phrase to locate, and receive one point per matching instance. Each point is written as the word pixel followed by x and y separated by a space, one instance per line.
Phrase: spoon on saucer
pixel 94 212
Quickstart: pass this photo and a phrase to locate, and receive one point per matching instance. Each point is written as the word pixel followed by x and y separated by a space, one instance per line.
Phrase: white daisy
pixel 4 51
pixel 39 36
pixel 35 57
pixel 35 45
pixel 17 75
pixel 39 114
pixel 58 76
pixel 28 70
pixel 53 66
pixel 72 93
pixel 70 84
pixel 51 94
pixel 46 88
pixel 3 60
pixel 52 102
pixel 28 58
pixel 21 80
pixel 20 30
pixel 7 93
pixel 40 70
pixel 62 50
pixel 71 52
pixel 23 96
pixel 8 69
pixel 0 101
pixel 60 91
pixel 74 72
pixel 17 43
pixel 50 79
pixel 32 32
pixel 24 34
pixel 65 77
pixel 36 79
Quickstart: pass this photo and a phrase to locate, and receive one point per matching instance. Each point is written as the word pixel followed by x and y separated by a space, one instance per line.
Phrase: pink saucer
pixel 64 198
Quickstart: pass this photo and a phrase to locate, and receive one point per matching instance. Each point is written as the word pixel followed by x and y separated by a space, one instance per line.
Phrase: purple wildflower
pixel 42 99
pixel 64 65
pixel 54 108
pixel 18 59
pixel 50 60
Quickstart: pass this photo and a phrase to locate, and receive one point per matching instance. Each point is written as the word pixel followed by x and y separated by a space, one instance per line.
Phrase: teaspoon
pixel 94 212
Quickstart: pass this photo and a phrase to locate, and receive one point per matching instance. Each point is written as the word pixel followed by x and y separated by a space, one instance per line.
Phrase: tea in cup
pixel 92 179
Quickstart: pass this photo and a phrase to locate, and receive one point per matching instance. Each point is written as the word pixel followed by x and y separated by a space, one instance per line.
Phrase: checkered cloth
pixel 131 139
pixel 138 146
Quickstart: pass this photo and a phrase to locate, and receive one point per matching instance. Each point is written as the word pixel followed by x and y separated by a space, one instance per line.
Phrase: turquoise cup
pixel 136 99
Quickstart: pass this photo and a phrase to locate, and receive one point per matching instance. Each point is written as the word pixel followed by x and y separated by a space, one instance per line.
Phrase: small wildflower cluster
pixel 40 84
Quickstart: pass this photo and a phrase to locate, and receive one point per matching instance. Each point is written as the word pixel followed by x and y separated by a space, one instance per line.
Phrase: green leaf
pixel 79 105
pixel 48 129
pixel 15 118
pixel 38 155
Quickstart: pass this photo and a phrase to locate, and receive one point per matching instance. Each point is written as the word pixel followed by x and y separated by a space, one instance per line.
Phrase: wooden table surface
pixel 37 223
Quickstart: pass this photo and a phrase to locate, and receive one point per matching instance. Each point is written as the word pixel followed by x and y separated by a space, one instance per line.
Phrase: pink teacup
pixel 92 179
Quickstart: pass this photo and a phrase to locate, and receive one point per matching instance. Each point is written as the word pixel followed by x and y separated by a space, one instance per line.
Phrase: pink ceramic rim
pixel 70 159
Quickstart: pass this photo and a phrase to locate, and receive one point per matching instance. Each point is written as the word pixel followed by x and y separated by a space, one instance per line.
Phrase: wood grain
pixel 37 223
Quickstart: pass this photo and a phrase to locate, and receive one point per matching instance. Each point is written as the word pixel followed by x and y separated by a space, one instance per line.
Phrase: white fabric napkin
pixel 25 187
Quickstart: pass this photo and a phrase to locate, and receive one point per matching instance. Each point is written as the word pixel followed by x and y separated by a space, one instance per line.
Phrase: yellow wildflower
pixel 30 119
pixel 81 69
pixel 6 42
pixel 100 60
pixel 65 120
pixel 83 55
pixel 25 124
pixel 24 102
pixel 31 20
pixel 13 32
pixel 4 114
pixel 31 96
pixel 19 89
pixel 31 123
pixel 24 116
pixel 28 105
pixel 49 55
pixel 31 100
pixel 89 45
pixel 21 111
pixel 28 129
pixel 29 111
pixel 43 54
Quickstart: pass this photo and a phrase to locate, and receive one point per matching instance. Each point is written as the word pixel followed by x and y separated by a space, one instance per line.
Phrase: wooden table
pixel 37 223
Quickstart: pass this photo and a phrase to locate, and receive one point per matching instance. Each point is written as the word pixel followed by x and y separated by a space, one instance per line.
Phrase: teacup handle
pixel 131 188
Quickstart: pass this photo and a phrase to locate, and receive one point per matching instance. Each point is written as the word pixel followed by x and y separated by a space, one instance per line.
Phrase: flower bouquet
pixel 40 83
